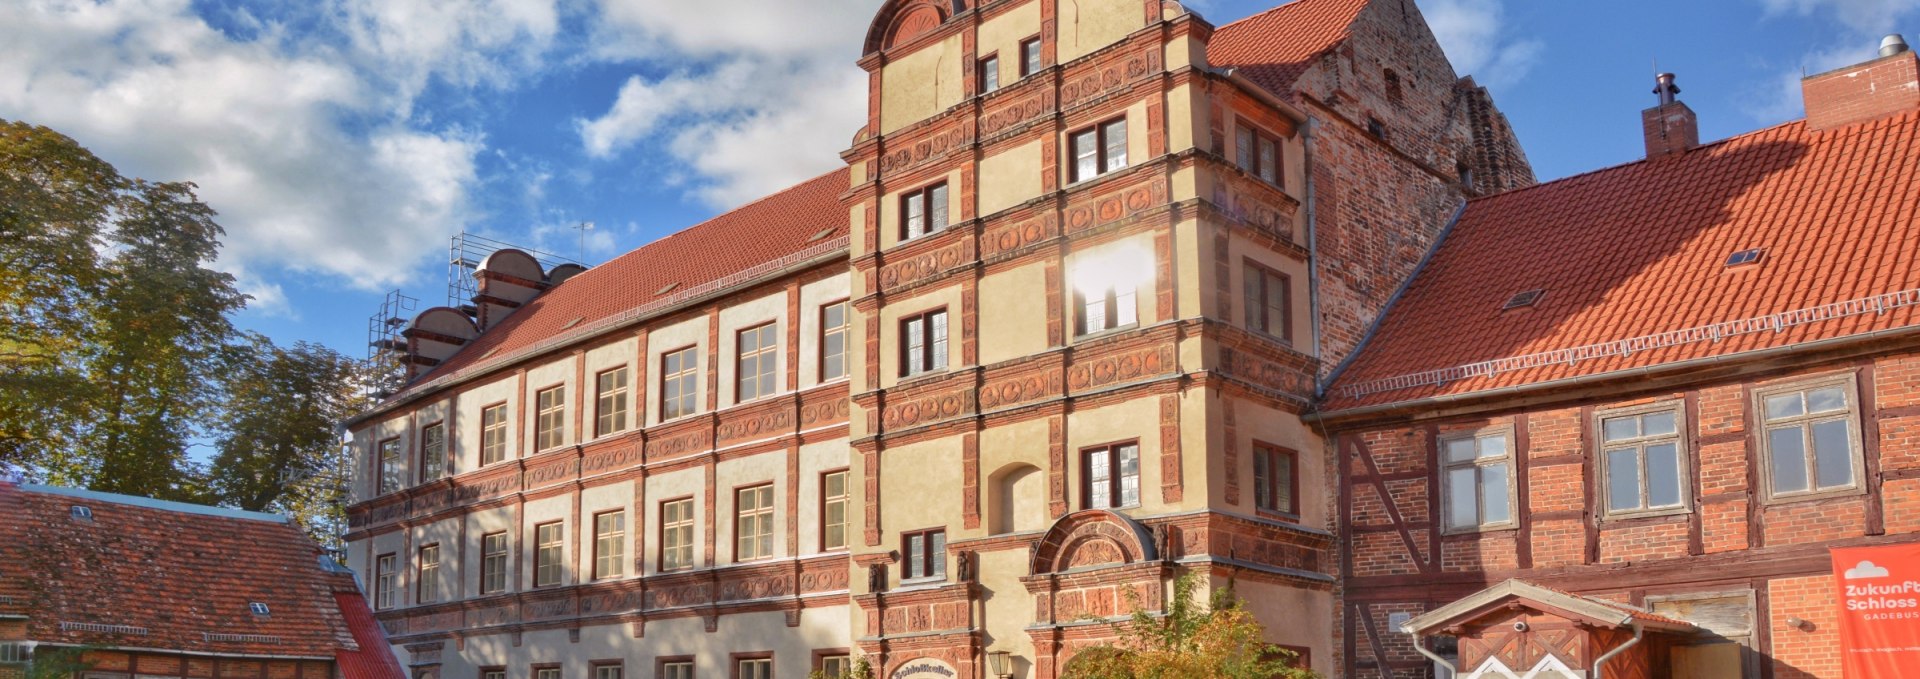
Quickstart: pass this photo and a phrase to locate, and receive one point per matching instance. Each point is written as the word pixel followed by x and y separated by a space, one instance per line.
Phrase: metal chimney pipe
pixel 1892 44
pixel 1665 88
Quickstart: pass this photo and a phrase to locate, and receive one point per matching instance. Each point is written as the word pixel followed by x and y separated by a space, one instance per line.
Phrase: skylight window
pixel 258 608
pixel 1523 299
pixel 1744 257
pixel 667 289
pixel 81 512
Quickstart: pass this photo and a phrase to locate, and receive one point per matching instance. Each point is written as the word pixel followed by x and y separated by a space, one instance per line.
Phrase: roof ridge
pixel 1270 10
pixel 1636 161
pixel 151 503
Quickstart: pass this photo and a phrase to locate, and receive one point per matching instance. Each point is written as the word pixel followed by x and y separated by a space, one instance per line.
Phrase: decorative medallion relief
pixel 765 424
pixel 1007 238
pixel 1004 392
pixel 1099 81
pixel 923 266
pixel 1256 204
pixel 1262 372
pixel 1002 118
pixel 1090 211
pixel 927 409
pixel 1127 366
pixel 915 154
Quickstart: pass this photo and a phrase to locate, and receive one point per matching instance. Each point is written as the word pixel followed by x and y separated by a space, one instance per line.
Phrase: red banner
pixel 1879 596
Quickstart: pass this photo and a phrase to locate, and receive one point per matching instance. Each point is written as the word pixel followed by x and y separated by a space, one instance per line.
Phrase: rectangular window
pixel 923 345
pixel 923 211
pixel 755 668
pixel 609 671
pixel 1269 296
pixel 389 452
pixel 546 672
pixel 1257 153
pixel 386 578
pixel 1107 308
pixel 1643 461
pixel 990 74
pixel 1811 439
pixel 1029 57
pixel 1098 150
pixel 610 402
pixel 833 511
pixel 759 357
pixel 676 669
pixel 676 534
pixel 433 452
pixel 753 523
pixel 1273 479
pixel 1111 476
pixel 924 555
pixel 609 544
pixel 550 554
pixel 493 673
pixel 493 434
pixel 833 341
pixel 679 382
pixel 427 590
pixel 836 666
pixel 1478 481
pixel 549 428
pixel 493 563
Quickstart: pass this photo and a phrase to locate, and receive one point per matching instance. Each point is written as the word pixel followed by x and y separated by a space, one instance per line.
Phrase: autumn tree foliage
pixel 1192 639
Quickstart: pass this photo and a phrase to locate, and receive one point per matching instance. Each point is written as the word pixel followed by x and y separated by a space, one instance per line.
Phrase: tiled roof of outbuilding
pixel 1273 48
pixel 761 232
pixel 147 574
pixel 1631 262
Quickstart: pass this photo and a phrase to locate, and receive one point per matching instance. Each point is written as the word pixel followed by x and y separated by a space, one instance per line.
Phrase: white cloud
pixel 760 94
pixel 303 158
pixel 1478 41
pixel 463 42
pixel 1859 16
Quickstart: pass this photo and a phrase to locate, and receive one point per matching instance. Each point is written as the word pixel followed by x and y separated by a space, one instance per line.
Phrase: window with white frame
pixel 609 544
pixel 676 534
pixel 679 382
pixel 550 423
pixel 389 457
pixel 833 341
pixel 386 578
pixel 1112 476
pixel 758 367
pixel 833 510
pixel 546 672
pixel 433 452
pixel 610 402
pixel 427 590
pixel 609 671
pixel 549 555
pixel 676 669
pixel 493 673
pixel 493 434
pixel 1643 461
pixel 836 666
pixel 1810 439
pixel 493 563
pixel 755 668
pixel 1098 150
pixel 1477 481
pixel 923 211
pixel 753 523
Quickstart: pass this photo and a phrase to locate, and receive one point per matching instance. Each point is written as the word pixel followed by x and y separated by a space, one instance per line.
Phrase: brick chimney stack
pixel 1865 91
pixel 1670 127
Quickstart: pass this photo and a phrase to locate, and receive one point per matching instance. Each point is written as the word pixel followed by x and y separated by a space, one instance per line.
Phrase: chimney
pixel 1870 90
pixel 1670 127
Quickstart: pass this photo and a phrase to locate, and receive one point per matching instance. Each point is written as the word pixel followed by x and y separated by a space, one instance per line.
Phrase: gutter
pixel 1600 663
pixel 1313 250
pixel 1421 646
pixel 1644 371
pixel 1287 109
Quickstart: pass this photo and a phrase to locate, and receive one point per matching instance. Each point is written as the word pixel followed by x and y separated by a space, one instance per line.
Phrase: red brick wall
pixel 1804 653
pixel 1862 92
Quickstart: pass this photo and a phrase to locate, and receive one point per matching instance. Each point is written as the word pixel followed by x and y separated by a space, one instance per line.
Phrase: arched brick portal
pixel 1093 567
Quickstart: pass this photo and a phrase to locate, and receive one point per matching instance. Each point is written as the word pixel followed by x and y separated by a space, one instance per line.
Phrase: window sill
pixel 926 582
pixel 1622 517
pixel 1098 334
pixel 1479 530
pixel 1812 496
pixel 1277 515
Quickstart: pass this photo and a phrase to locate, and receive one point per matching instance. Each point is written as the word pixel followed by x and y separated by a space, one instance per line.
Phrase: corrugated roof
pixel 1273 48
pixel 1639 250
pixel 140 575
pixel 763 231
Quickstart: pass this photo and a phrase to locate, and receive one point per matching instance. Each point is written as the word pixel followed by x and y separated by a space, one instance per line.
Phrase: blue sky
pixel 344 141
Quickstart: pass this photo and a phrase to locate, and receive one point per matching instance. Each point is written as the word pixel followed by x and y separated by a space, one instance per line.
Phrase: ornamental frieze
pixel 999 119
pixel 1011 237
pixel 747 589
pixel 689 442
pixel 1249 368
pixel 611 602
pixel 1013 390
pixel 830 411
pixel 927 409
pixel 1120 367
pixel 748 427
pixel 1104 79
pixel 548 609
pixel 618 458
pixel 924 151
pixel 435 622
pixel 549 474
pixel 679 596
pixel 494 487
pixel 493 615
pixel 922 266
pixel 1256 204
pixel 1089 211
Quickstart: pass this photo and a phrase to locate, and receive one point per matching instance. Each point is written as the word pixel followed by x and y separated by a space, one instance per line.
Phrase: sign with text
pixel 1879 598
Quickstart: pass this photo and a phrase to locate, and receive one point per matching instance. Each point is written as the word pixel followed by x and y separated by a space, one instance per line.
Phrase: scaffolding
pixel 466 251
pixel 387 345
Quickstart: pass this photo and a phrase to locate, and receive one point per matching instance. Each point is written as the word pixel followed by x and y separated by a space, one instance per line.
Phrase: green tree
pixel 278 449
pixel 56 207
pixel 1218 639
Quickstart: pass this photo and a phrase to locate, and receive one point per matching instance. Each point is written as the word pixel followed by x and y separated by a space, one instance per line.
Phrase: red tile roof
pixel 807 215
pixel 374 659
pixel 1273 48
pixel 1638 251
pixel 147 574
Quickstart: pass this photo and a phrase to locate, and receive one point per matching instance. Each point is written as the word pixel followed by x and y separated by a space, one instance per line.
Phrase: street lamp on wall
pixel 1000 663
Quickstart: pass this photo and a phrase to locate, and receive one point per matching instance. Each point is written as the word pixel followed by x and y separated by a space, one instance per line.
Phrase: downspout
pixel 1420 645
pixel 1598 663
pixel 1313 253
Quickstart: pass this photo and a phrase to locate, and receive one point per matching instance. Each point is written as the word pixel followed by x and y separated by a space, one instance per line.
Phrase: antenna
pixel 583 228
